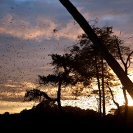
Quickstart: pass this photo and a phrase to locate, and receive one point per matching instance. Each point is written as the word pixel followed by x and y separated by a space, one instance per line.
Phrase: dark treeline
pixel 45 116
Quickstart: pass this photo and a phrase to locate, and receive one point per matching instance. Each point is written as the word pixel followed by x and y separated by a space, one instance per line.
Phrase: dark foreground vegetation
pixel 45 117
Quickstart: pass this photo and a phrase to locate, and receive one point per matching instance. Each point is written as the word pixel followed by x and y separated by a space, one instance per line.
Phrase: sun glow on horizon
pixel 82 102
pixel 130 100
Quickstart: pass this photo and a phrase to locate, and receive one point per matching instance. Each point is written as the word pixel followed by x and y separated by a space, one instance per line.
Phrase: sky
pixel 27 38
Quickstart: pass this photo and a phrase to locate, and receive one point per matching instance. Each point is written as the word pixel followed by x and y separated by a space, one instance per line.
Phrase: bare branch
pixel 128 60
pixel 117 104
pixel 119 52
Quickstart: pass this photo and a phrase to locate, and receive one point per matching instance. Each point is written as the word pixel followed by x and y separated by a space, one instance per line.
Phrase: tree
pixel 36 94
pixel 91 65
pixel 126 82
pixel 62 68
pixel 56 80
pixel 126 65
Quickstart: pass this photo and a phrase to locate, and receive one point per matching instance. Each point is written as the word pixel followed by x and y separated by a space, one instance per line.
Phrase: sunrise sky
pixel 27 37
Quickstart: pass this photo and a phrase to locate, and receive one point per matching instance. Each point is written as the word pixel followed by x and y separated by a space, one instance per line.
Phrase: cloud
pixel 43 29
pixel 14 91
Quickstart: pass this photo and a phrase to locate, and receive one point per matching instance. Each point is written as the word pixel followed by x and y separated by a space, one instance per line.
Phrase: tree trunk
pixel 98 83
pixel 59 96
pixel 103 90
pixel 126 82
pixel 126 107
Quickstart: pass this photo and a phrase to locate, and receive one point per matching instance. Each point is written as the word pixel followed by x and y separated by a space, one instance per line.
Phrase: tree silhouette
pixel 126 65
pixel 126 82
pixel 89 63
pixel 61 77
pixel 37 94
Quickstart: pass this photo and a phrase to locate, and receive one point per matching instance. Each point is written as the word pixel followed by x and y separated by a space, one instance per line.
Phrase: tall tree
pixel 62 68
pixel 99 45
pixel 91 63
pixel 126 65
pixel 60 77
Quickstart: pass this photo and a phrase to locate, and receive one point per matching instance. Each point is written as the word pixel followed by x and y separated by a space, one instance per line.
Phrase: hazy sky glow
pixel 27 37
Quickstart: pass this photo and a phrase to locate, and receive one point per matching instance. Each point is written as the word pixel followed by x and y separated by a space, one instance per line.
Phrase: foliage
pixel 91 66
pixel 87 56
pixel 36 94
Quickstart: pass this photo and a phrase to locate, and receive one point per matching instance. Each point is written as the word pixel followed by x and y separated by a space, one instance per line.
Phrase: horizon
pixel 81 102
